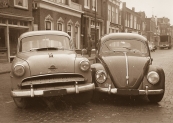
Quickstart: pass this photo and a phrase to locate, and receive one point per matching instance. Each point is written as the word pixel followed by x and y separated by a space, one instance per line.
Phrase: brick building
pixel 15 19
pixel 112 16
pixel 62 15
pixel 130 20
pixel 92 21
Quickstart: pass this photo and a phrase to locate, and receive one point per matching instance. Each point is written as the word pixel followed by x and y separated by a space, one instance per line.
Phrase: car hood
pixel 49 61
pixel 121 68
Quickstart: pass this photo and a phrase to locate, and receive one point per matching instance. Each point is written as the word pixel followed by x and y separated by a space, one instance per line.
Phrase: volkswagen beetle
pixel 47 65
pixel 124 67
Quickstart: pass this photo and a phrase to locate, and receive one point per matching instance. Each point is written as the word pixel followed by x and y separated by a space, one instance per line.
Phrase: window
pixel 48 23
pixel 87 4
pixel 94 5
pixel 131 21
pixel 113 14
pixel 21 4
pixel 116 16
pixel 134 22
pixel 69 30
pixel 60 24
pixel 109 13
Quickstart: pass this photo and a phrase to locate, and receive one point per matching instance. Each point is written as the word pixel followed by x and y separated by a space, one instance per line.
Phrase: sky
pixel 159 8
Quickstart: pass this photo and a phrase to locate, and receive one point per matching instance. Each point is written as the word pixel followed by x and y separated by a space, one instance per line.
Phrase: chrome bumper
pixel 138 92
pixel 32 93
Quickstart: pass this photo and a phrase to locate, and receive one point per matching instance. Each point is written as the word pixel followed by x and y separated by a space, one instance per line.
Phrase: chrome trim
pixel 127 69
pixel 76 87
pixel 53 80
pixel 70 90
pixel 141 92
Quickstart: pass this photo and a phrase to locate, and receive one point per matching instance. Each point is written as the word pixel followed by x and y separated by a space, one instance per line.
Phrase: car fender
pixel 161 83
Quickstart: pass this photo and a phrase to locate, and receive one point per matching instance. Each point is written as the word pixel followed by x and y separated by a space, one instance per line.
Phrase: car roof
pixel 123 36
pixel 43 32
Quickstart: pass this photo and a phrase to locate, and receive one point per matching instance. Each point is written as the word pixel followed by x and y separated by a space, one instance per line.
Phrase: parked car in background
pixel 124 67
pixel 47 65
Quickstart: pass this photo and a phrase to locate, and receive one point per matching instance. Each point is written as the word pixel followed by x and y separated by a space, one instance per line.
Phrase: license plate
pixel 55 92
pixel 127 92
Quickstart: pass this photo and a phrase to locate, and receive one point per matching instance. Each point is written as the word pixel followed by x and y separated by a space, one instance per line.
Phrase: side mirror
pixel 84 52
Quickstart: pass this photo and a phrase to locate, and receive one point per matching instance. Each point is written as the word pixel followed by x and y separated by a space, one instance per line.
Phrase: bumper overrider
pixel 52 92
pixel 117 91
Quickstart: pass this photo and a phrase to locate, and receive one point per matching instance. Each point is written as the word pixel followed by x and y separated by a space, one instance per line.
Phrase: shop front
pixel 10 29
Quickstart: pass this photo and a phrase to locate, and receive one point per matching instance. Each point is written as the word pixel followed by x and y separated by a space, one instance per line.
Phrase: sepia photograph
pixel 86 61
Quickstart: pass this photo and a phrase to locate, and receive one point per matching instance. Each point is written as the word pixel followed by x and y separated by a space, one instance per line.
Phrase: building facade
pixel 151 29
pixel 62 15
pixel 92 22
pixel 15 19
pixel 130 20
pixel 112 16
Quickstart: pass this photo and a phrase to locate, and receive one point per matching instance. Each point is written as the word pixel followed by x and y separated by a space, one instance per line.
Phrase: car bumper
pixel 129 91
pixel 52 92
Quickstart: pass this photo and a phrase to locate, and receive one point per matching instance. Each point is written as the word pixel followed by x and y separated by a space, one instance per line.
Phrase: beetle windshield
pixel 42 42
pixel 134 46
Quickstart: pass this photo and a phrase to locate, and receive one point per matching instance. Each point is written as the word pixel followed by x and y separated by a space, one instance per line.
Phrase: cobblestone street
pixel 109 109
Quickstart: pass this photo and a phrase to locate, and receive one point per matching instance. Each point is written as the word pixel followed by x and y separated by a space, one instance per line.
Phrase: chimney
pixel 133 8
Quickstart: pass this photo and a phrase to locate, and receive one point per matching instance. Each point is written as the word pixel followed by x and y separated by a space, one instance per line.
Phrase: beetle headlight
pixel 153 77
pixel 84 65
pixel 101 76
pixel 19 70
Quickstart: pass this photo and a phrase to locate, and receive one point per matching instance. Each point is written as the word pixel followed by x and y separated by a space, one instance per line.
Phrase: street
pixel 109 109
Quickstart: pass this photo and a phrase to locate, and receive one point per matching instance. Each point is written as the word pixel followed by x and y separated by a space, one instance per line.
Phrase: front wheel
pixel 155 98
pixel 20 102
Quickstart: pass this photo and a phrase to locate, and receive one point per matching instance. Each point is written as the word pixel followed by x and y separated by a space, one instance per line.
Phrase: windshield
pixel 42 42
pixel 133 46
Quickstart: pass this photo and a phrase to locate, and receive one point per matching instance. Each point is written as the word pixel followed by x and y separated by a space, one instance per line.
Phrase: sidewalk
pixel 6 67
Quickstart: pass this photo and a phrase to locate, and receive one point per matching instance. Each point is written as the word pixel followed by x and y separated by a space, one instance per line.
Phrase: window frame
pixel 22 7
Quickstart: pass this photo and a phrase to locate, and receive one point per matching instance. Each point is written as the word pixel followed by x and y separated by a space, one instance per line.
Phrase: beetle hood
pixel 49 61
pixel 126 72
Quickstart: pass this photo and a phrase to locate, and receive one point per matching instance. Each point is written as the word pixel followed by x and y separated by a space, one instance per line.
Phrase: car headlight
pixel 100 76
pixel 19 70
pixel 84 65
pixel 153 77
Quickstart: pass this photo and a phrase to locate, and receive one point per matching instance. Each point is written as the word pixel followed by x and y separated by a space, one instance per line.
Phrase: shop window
pixel 23 23
pixel 12 22
pixel 21 4
pixel 2 20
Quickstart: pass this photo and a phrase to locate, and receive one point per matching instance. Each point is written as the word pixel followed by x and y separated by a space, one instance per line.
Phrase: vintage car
pixel 47 65
pixel 124 67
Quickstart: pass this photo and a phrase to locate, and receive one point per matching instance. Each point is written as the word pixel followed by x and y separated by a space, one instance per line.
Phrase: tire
pixel 155 98
pixel 20 102
pixel 83 97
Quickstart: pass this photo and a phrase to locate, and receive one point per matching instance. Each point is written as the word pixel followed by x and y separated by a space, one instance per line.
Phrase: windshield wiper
pixel 45 48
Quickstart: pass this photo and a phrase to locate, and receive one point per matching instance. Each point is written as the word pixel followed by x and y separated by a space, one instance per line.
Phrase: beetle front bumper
pixel 129 91
pixel 52 92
